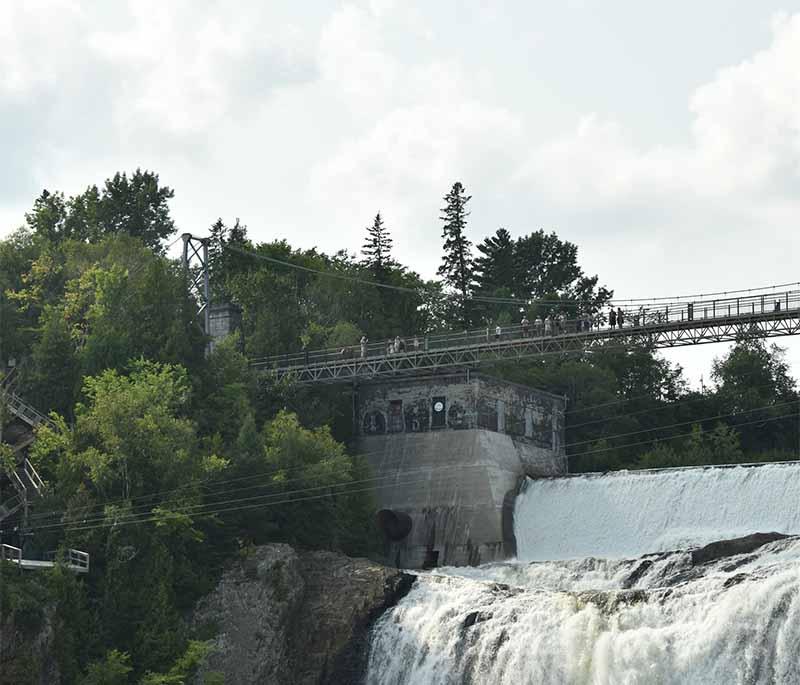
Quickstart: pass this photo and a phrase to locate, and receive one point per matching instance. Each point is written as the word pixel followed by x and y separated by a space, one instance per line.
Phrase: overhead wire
pixel 211 482
pixel 489 299
pixel 211 504
pixel 80 527
pixel 650 441
pixel 200 508
pixel 682 423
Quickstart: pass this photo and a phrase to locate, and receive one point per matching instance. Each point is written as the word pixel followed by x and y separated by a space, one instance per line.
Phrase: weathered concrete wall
pixel 455 469
pixel 224 319
pixel 466 401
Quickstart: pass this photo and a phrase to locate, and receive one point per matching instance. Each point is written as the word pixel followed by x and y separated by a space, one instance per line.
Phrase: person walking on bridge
pixel 497 333
pixel 363 346
pixel 620 317
pixel 396 344
pixel 612 318
pixel 526 325
pixel 537 327
pixel 548 325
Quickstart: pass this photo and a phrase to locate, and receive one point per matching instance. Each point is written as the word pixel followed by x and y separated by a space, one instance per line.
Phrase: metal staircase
pixel 28 484
pixel 26 481
pixel 17 406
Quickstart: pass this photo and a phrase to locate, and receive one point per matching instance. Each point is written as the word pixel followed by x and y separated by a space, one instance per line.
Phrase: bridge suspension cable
pixel 495 299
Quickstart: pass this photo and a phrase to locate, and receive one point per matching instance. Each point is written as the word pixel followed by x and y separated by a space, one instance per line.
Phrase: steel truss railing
pixel 692 324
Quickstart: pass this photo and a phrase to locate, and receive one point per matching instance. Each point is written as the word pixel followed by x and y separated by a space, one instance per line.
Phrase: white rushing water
pixel 626 514
pixel 596 598
pixel 656 620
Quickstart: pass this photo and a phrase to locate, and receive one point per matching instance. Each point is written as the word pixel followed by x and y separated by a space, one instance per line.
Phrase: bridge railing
pixel 10 553
pixel 73 558
pixel 635 316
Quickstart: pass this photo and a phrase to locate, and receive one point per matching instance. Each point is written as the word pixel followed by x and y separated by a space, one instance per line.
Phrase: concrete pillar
pixel 528 422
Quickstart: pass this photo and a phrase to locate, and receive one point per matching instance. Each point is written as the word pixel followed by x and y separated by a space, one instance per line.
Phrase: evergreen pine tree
pixel 494 276
pixel 377 248
pixel 456 266
pixel 494 268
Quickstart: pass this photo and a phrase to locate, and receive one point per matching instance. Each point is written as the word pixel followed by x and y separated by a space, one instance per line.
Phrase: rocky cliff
pixel 282 616
pixel 27 650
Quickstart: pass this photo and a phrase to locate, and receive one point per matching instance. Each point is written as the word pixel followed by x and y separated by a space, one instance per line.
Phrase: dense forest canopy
pixel 155 445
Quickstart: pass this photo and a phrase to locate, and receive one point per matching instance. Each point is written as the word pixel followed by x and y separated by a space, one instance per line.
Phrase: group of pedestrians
pixel 552 324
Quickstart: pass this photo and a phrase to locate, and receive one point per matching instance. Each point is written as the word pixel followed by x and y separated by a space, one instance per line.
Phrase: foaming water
pixel 656 619
pixel 626 514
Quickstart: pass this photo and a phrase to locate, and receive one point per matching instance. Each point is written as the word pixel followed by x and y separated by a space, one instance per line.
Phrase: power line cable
pixel 496 300
pixel 210 505
pixel 793 415
pixel 652 410
pixel 682 423
pixel 345 483
pixel 212 482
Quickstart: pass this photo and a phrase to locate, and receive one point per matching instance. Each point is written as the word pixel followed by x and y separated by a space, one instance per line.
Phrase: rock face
pixel 281 616
pixel 28 657
pixel 727 548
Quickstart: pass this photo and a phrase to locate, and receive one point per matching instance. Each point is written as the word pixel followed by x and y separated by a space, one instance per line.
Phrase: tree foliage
pixel 456 266
pixel 377 249
pixel 135 205
pixel 537 268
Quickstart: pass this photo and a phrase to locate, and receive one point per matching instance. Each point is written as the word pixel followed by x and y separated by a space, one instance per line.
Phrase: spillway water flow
pixel 655 620
pixel 626 514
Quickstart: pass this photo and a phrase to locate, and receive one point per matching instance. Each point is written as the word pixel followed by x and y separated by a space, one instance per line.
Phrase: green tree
pixel 48 218
pixel 377 249
pixel 56 371
pixel 294 458
pixel 546 268
pixel 495 268
pixel 753 381
pixel 137 205
pixel 112 670
pixel 456 266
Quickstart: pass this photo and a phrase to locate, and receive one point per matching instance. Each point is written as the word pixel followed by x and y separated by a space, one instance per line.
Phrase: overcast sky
pixel 662 138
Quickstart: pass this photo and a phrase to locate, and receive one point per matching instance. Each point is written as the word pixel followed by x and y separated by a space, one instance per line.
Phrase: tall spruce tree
pixel 494 268
pixel 456 266
pixel 377 248
pixel 494 276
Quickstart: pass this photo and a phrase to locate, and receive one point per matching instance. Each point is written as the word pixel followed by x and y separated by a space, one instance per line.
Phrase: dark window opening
pixel 439 405
pixel 374 423
pixel 396 416
pixel 431 559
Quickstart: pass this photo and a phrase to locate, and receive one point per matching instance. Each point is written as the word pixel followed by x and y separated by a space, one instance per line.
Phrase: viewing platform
pixel 72 559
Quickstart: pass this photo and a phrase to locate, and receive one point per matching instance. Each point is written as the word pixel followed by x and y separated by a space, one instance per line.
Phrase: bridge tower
pixel 449 453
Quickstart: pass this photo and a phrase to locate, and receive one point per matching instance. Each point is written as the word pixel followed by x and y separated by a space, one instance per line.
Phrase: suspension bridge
pixel 767 314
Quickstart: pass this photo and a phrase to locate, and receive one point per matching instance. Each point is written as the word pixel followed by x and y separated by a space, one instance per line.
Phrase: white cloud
pixel 744 147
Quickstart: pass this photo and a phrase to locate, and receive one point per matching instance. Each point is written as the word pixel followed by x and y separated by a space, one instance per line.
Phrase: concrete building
pixel 450 453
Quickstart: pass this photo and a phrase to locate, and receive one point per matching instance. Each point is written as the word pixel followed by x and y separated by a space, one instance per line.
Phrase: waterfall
pixel 610 589
pixel 628 513
pixel 656 620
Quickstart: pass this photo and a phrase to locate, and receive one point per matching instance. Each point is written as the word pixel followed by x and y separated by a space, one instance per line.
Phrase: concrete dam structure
pixel 450 453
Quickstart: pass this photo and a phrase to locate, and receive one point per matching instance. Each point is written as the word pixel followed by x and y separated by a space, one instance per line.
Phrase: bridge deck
pixel 720 320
